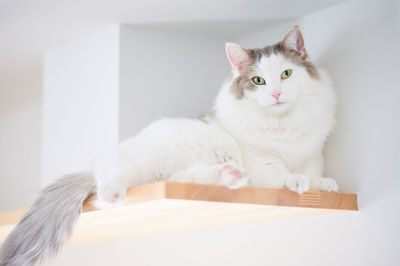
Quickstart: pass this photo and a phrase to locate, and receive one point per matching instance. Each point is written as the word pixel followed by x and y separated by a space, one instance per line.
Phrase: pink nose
pixel 276 94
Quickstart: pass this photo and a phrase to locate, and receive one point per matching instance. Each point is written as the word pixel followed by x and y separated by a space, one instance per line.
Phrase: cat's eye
pixel 286 73
pixel 258 80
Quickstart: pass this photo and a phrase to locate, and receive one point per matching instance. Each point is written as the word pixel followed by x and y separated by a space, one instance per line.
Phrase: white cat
pixel 268 129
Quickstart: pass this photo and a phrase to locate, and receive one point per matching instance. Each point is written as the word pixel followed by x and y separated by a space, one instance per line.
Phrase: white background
pixel 356 41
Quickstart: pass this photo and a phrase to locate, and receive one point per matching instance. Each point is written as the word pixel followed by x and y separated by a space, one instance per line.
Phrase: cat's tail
pixel 46 226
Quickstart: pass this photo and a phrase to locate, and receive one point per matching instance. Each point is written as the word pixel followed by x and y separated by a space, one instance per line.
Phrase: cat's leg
pixel 114 175
pixel 229 174
pixel 162 150
pixel 271 172
pixel 233 176
pixel 113 180
pixel 110 193
pixel 314 169
pixel 111 187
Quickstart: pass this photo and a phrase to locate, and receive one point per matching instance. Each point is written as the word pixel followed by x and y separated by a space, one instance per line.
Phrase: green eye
pixel 258 80
pixel 285 74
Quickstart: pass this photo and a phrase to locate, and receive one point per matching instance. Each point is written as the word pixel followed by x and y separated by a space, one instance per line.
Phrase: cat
pixel 268 128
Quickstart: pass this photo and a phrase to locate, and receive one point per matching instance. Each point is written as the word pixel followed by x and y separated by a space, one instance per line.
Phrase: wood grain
pixel 175 207
pixel 264 196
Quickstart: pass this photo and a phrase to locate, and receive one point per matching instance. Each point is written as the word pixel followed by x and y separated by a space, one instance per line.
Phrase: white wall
pixel 80 103
pixel 20 129
pixel 356 42
pixel 167 73
pixel 362 152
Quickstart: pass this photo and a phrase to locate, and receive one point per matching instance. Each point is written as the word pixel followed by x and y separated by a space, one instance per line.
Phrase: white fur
pixel 270 145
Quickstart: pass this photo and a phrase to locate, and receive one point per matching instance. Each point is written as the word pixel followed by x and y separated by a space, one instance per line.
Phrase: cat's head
pixel 272 76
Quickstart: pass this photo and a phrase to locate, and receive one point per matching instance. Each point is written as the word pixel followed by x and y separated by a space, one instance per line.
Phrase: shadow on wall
pixel 355 59
pixel 20 141
pixel 18 92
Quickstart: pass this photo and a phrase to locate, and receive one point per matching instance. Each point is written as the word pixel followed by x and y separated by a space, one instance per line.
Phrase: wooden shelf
pixel 175 207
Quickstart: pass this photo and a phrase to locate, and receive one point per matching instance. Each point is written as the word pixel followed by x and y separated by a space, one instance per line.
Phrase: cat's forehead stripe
pixel 258 53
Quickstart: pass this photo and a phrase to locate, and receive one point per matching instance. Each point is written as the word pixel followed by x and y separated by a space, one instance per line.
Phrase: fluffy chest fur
pixel 294 136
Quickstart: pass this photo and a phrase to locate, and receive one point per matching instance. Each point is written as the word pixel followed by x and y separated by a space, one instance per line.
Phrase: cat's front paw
pixel 110 195
pixel 232 177
pixel 298 183
pixel 325 184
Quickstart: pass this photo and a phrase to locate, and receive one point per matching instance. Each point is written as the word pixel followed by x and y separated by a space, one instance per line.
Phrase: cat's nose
pixel 276 94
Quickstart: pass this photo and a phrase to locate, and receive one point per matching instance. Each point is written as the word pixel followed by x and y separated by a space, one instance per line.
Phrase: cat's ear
pixel 294 42
pixel 237 56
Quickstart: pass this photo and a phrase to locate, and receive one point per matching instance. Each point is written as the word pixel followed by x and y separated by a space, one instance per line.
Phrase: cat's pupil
pixel 286 72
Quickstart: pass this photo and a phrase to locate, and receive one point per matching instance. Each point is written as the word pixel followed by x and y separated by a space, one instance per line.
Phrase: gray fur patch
pixel 267 51
pixel 43 230
pixel 303 61
pixel 242 83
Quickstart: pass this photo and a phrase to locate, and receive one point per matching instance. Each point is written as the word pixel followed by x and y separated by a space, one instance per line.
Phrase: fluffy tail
pixel 46 226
